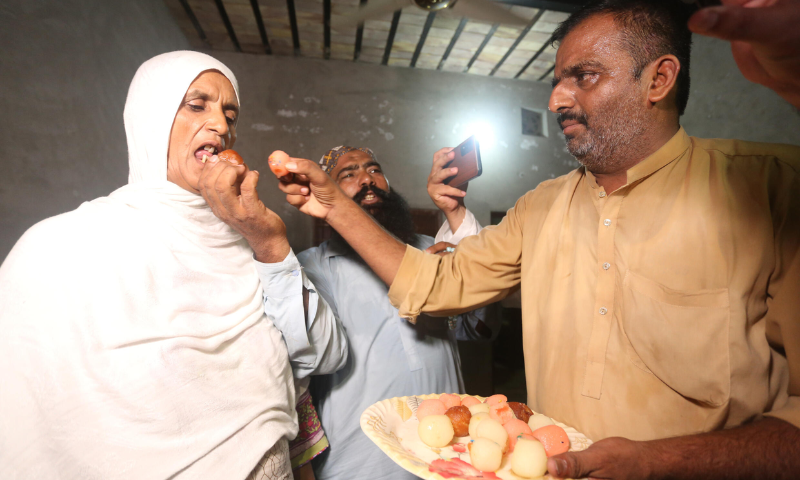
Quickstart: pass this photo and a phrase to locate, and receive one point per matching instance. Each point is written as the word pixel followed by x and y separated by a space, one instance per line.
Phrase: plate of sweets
pixel 449 436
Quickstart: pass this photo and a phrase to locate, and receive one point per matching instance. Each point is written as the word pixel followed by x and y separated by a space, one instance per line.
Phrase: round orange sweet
pixel 277 163
pixel 459 417
pixel 515 428
pixel 554 439
pixel 232 157
pixel 521 411
pixel 450 400
pixel 501 412
pixel 496 399
pixel 469 401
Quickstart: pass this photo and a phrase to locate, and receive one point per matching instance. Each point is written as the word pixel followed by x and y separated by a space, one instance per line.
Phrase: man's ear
pixel 662 75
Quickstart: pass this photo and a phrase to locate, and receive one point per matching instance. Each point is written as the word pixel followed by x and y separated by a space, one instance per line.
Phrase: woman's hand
pixel 231 193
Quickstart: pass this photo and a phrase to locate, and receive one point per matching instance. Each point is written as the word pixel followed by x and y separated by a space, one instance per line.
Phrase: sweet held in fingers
pixel 232 157
pixel 277 163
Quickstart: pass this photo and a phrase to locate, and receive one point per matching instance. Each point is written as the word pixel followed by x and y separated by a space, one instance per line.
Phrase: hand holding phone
pixel 468 161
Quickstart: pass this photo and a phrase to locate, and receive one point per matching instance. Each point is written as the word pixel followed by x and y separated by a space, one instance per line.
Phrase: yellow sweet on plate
pixel 529 459
pixel 485 455
pixel 436 430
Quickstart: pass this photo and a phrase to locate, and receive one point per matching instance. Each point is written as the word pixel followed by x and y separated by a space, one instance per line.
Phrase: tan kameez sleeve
pixel 482 270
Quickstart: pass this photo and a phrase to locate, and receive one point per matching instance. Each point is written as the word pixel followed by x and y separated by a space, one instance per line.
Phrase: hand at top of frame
pixel 764 37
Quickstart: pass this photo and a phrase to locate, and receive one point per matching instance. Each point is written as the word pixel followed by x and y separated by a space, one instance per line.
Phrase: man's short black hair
pixel 651 28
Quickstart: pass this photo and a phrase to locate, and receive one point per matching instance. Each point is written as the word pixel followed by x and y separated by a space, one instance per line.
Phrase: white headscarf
pixel 153 98
pixel 133 342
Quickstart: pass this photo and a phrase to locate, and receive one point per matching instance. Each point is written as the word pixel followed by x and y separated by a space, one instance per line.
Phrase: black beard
pixel 392 213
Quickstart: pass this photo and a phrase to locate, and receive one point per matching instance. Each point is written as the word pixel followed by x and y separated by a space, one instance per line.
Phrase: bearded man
pixel 660 280
pixel 389 357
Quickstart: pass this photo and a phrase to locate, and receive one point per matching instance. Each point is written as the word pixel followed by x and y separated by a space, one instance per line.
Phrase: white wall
pixel 65 68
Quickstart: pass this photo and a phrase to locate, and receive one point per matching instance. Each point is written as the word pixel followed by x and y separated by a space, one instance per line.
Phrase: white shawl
pixel 133 342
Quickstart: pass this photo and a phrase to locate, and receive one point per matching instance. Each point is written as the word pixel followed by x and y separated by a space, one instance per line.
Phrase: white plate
pixel 392 425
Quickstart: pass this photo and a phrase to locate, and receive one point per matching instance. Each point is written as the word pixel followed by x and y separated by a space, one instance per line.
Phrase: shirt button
pixel 602 194
pixel 603 310
pixel 606 266
pixel 607 222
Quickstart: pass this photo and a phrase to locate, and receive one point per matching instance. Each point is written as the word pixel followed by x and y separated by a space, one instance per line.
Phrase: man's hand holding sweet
pixel 311 190
pixel 230 191
pixel 764 38
pixel 449 200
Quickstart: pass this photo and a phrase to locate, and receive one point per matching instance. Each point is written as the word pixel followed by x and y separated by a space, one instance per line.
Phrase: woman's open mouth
pixel 205 152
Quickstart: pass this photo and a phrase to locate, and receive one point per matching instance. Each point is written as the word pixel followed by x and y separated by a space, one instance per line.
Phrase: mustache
pixel 367 189
pixel 580 117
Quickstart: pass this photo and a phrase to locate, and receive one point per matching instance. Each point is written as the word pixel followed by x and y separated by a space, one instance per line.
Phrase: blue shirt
pixel 388 357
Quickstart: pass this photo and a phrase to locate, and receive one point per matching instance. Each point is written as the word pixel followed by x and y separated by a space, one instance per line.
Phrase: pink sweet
pixel 515 428
pixel 469 401
pixel 450 400
pixel 501 412
pixel 432 406
pixel 495 399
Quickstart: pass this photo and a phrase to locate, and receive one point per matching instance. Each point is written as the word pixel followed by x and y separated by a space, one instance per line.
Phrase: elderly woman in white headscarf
pixel 138 332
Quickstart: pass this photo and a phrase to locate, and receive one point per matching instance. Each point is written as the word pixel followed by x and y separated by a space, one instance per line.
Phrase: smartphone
pixel 468 161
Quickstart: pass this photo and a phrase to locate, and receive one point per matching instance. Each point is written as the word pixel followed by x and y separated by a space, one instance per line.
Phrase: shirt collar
pixel 670 151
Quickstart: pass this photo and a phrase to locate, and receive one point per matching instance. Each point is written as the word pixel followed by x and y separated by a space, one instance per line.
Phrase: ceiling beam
pixel 568 6
pixel 326 20
pixel 359 34
pixel 390 40
pixel 453 41
pixel 261 30
pixel 517 42
pixel 422 37
pixel 483 45
pixel 228 26
pixel 195 22
pixel 293 22
pixel 534 57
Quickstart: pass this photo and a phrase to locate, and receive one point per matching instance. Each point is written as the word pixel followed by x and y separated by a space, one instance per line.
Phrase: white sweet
pixel 479 408
pixel 435 430
pixel 474 421
pixel 538 421
pixel 529 459
pixel 494 431
pixel 485 455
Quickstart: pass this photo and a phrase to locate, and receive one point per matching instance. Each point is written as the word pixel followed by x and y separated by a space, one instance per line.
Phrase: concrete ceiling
pixel 411 37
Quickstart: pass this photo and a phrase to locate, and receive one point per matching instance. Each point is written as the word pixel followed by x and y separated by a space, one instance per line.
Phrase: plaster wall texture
pixel 66 66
